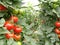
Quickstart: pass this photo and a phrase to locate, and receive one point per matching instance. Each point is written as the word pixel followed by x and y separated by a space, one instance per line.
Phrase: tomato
pixel 9 35
pixel 21 11
pixel 19 43
pixel 57 31
pixel 15 19
pixel 57 24
pixel 6 23
pixel 17 37
pixel 15 11
pixel 54 0
pixel 9 26
pixel 55 6
pixel 18 30
pixel 2 7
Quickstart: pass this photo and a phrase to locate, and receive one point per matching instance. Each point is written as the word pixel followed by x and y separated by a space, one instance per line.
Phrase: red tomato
pixel 57 24
pixel 9 35
pixel 18 30
pixel 5 23
pixel 17 37
pixel 9 26
pixel 2 7
pixel 57 31
pixel 15 19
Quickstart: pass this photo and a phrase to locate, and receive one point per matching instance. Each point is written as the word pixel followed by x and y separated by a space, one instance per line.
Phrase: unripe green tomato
pixel 19 43
pixel 55 5
pixel 15 11
pixel 20 11
pixel 54 0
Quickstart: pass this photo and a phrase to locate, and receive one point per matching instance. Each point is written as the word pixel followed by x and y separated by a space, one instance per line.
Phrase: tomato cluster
pixel 57 29
pixel 13 28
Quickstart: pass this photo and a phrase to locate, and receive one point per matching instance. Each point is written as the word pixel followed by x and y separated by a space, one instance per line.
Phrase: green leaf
pixel 27 38
pixel 22 21
pixel 30 26
pixel 57 43
pixel 2 36
pixel 13 3
pixel 57 11
pixel 10 41
pixel 33 42
pixel 3 31
pixel 39 31
pixel 1 14
pixel 14 43
pixel 2 42
pixel 2 21
pixel 47 42
pixel 30 40
pixel 28 31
